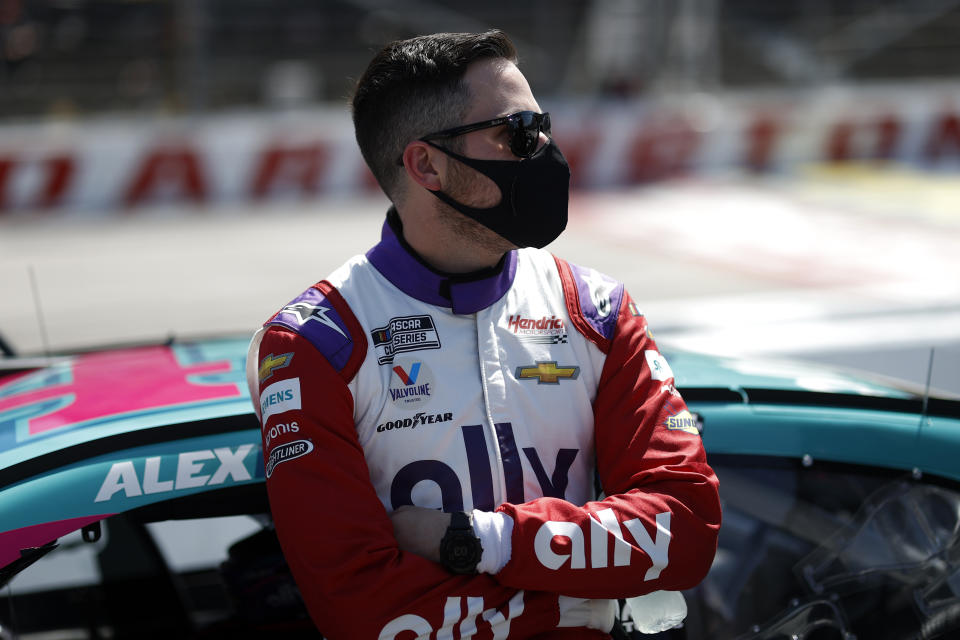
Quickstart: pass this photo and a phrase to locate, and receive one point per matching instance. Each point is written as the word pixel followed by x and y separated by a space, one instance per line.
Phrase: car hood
pixel 694 370
pixel 86 398
pixel 78 401
pixel 816 413
pixel 76 433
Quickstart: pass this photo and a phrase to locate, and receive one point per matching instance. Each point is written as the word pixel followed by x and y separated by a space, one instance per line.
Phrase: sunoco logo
pixel 414 422
pixel 683 421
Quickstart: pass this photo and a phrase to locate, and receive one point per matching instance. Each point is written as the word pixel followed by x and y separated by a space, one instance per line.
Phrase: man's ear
pixel 424 164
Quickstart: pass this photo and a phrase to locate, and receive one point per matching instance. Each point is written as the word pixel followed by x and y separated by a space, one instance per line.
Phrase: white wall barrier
pixel 120 164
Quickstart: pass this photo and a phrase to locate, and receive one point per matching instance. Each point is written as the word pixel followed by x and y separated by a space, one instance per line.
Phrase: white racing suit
pixel 390 384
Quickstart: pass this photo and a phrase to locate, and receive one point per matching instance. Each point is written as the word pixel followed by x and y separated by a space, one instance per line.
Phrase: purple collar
pixel 463 293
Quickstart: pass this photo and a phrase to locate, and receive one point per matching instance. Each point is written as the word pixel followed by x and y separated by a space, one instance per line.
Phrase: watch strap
pixel 460 521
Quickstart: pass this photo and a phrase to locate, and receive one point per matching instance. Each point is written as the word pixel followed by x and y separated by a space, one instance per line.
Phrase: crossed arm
pixel 346 551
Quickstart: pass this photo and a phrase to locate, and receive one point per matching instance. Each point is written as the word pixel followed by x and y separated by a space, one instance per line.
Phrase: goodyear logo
pixel 271 363
pixel 547 372
pixel 684 421
pixel 417 420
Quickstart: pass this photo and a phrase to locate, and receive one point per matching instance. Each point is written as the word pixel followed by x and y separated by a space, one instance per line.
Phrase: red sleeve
pixel 336 534
pixel 657 528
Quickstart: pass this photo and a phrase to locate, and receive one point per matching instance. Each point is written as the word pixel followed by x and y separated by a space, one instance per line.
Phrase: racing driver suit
pixel 503 393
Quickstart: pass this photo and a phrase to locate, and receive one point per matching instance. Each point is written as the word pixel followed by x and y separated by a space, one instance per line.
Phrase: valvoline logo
pixel 415 383
pixel 411 377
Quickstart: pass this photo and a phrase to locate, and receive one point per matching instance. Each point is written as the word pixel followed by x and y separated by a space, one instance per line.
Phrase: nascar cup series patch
pixel 403 335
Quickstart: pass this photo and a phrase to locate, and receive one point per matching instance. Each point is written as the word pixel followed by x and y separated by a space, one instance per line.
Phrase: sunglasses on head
pixel 524 128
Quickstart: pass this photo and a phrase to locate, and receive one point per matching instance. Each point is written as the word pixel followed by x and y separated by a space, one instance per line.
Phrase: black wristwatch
pixel 460 548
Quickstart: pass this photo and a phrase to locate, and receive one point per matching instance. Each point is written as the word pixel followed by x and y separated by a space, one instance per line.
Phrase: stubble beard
pixel 466 187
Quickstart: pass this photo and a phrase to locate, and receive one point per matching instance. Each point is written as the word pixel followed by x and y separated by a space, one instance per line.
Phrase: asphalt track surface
pixel 855 268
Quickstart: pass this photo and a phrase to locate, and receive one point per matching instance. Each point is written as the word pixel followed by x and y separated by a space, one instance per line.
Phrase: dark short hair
pixel 412 88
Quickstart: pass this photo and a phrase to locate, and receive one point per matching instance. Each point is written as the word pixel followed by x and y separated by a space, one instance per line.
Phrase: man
pixel 434 412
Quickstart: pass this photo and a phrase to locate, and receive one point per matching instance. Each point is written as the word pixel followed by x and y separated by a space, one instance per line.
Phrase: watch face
pixel 460 551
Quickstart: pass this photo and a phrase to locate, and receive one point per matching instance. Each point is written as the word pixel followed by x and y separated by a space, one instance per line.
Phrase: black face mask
pixel 534 191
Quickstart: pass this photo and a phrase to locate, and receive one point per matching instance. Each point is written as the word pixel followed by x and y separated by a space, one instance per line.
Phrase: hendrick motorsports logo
pixel 286 452
pixel 404 334
pixel 545 330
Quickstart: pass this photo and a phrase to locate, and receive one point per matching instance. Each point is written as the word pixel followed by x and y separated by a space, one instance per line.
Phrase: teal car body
pixel 95 436
pixel 803 411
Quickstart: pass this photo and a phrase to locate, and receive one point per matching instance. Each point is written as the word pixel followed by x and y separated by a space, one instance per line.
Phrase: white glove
pixel 657 611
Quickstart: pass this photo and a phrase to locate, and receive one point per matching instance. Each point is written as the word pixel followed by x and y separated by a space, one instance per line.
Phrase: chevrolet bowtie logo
pixel 271 363
pixel 547 372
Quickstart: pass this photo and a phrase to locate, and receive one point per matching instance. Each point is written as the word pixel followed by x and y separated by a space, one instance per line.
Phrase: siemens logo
pixel 276 398
pixel 280 397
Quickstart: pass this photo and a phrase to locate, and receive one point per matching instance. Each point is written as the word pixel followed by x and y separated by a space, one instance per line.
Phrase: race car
pixel 132 501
